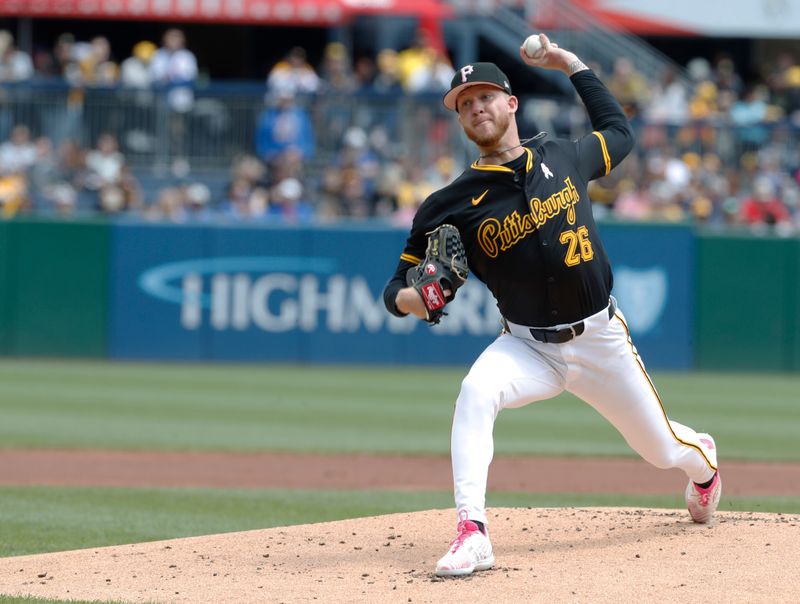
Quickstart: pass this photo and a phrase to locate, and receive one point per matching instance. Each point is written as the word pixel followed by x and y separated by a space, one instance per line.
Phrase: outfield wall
pixel 246 293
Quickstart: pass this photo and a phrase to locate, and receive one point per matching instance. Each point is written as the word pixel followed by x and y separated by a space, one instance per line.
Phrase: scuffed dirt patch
pixel 562 555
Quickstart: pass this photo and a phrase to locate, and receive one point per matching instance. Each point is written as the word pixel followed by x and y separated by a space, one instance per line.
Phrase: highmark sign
pixel 299 295
pixel 278 295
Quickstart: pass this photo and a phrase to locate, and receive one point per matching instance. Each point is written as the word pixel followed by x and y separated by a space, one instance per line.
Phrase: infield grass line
pixel 47 519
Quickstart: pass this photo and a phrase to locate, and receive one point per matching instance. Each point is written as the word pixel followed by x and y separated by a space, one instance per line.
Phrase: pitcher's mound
pixel 567 554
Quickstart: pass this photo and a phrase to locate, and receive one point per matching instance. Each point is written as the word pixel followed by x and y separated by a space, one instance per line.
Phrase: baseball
pixel 533 47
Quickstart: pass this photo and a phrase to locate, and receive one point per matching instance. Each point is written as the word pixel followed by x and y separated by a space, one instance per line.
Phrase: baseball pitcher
pixel 520 219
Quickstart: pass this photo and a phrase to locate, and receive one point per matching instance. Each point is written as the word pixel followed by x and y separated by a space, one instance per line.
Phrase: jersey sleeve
pixel 611 138
pixel 412 255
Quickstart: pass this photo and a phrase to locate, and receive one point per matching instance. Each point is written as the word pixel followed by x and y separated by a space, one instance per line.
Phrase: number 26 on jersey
pixel 579 248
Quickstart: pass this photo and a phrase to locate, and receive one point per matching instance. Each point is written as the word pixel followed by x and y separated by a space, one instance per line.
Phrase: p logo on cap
pixel 475 74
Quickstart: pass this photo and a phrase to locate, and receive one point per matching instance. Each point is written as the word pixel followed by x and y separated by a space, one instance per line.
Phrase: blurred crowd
pixel 714 148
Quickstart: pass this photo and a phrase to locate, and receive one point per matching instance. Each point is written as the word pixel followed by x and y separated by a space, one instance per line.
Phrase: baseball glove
pixel 444 268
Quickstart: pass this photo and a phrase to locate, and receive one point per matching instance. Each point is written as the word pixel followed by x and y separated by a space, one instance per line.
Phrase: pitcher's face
pixel 485 113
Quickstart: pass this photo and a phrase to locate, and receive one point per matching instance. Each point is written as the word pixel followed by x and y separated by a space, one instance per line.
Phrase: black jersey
pixel 527 225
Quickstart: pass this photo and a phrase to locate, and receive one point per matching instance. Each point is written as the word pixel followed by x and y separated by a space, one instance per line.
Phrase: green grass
pixel 350 409
pixel 344 409
pixel 44 519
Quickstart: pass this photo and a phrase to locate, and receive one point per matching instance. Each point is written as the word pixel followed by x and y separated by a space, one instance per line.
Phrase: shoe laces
pixel 705 494
pixel 464 529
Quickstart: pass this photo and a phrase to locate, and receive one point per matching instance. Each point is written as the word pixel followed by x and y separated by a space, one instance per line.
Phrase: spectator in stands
pixel 137 79
pixel 55 177
pixel 14 196
pixel 413 189
pixel 68 53
pixel 668 101
pixel 726 76
pixel 629 86
pixel 387 80
pixel 175 67
pixel 96 66
pixel 44 172
pixel 431 75
pixel 293 75
pixel 247 194
pixel 334 106
pixel 135 70
pixel 287 203
pixel 167 207
pixel 358 155
pixel 108 174
pixel 188 202
pixel 783 78
pixel 364 72
pixel 792 106
pixel 44 63
pixel 440 74
pixel 288 164
pixel 417 65
pixel 443 171
pixel 763 209
pixel 750 114
pixel 350 183
pixel 15 65
pixel 284 125
pixel 336 72
pixel 18 153
pixel 704 104
pixel 65 188
pixel 197 202
pixel 245 201
pixel 634 201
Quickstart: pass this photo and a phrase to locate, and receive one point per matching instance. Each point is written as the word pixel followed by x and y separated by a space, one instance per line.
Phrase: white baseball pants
pixel 601 366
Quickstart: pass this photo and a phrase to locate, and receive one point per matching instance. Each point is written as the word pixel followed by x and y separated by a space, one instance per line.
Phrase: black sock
pixel 481 527
pixel 705 485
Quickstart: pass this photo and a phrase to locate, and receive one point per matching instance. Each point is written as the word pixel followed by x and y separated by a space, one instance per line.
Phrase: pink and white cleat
pixel 471 550
pixel 702 503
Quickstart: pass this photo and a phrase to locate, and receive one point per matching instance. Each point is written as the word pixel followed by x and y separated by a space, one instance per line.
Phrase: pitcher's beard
pixel 490 140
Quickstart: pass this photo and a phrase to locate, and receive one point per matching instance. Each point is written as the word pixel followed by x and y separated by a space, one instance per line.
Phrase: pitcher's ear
pixel 513 103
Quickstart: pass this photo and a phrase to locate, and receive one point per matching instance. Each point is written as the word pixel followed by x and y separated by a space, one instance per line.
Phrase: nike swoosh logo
pixel 477 200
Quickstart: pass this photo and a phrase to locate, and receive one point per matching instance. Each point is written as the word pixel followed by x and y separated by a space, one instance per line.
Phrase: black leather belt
pixel 560 335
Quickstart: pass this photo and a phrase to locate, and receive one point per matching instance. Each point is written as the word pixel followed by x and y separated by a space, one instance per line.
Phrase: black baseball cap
pixel 475 74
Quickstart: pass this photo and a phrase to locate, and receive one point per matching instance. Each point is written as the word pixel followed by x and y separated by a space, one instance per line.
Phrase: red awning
pixel 275 12
pixel 418 8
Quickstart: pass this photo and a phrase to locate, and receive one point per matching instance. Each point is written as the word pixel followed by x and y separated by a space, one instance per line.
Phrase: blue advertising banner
pixel 297 295
pixel 654 268
pixel 261 293
pixel 147 315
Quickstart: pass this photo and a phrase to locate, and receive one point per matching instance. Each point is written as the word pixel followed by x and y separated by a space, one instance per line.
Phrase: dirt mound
pixel 571 554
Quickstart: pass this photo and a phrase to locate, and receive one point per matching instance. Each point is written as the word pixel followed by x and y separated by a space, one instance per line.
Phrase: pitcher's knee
pixel 476 398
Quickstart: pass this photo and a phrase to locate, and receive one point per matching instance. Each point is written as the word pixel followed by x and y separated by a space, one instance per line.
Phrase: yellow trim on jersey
pixel 410 258
pixel 493 168
pixel 490 168
pixel 606 156
pixel 658 398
